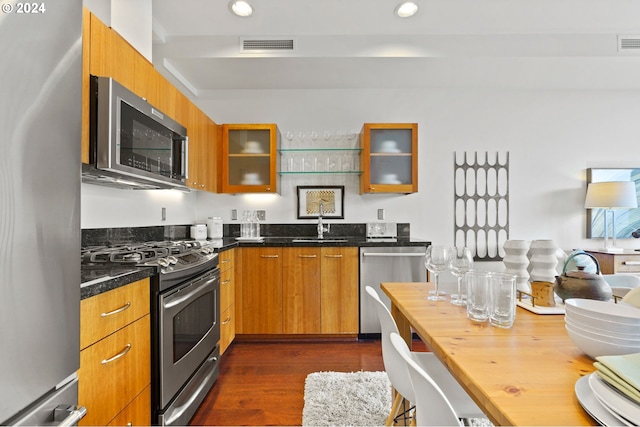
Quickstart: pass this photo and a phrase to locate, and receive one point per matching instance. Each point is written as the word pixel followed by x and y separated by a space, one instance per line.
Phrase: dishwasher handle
pixel 395 254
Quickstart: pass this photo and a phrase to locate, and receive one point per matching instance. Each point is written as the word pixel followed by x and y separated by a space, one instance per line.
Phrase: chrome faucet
pixel 321 227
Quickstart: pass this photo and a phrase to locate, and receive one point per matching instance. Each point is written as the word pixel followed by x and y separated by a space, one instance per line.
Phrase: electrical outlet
pixel 164 214
pixel 234 214
pixel 380 214
pixel 262 214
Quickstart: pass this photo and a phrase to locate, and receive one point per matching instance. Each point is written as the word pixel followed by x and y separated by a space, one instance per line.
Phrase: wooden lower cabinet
pixel 339 291
pixel 227 299
pixel 261 291
pixel 137 412
pixel 115 360
pixel 300 290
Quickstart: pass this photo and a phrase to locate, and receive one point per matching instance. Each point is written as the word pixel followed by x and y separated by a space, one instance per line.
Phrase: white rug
pixel 352 399
pixel 346 399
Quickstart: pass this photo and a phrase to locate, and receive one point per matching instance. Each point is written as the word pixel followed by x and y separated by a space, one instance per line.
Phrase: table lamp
pixel 608 196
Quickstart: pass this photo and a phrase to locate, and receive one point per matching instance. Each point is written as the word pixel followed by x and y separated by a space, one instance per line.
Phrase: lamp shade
pixel 611 195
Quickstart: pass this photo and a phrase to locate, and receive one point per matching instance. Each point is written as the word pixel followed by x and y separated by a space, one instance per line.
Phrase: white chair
pixel 432 406
pixel 621 284
pixel 464 406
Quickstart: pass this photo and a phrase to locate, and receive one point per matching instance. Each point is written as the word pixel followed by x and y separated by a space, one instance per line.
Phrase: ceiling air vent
pixel 629 43
pixel 254 45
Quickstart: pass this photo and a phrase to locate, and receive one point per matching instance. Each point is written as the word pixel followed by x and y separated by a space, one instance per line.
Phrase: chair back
pixel 432 406
pixel 393 363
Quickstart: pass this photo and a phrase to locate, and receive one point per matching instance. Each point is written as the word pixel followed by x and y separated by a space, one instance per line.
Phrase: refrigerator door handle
pixel 68 415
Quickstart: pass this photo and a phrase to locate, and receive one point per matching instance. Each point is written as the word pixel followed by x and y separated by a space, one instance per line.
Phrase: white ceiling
pixel 563 44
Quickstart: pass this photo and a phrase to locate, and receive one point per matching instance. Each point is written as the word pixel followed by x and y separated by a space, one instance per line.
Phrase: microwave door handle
pixel 185 157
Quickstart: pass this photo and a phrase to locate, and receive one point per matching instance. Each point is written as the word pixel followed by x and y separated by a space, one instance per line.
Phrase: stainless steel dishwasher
pixel 386 264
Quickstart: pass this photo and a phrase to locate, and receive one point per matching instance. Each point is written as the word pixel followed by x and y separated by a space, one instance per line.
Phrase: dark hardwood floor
pixel 262 384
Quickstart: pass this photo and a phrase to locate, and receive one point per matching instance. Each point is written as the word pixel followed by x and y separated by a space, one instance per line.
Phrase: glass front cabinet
pixel 389 158
pixel 248 158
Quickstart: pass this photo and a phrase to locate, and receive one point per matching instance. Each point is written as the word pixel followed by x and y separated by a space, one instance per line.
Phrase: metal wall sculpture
pixel 481 203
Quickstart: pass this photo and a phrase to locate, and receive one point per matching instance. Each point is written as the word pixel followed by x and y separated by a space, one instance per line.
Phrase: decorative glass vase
pixel 543 261
pixel 516 262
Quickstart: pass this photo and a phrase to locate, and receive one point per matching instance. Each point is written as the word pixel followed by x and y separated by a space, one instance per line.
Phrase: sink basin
pixel 319 240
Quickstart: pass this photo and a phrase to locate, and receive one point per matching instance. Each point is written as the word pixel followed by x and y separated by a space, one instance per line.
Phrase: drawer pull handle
pixel 333 256
pixel 224 261
pixel 227 320
pixel 631 262
pixel 117 356
pixel 117 310
pixel 307 256
pixel 224 282
pixel 268 256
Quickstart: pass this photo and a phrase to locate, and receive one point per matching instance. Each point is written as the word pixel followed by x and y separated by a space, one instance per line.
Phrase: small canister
pixel 199 232
pixel 214 227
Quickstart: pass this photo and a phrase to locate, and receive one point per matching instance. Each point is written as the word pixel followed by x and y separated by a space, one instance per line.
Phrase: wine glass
pixel 460 262
pixel 437 261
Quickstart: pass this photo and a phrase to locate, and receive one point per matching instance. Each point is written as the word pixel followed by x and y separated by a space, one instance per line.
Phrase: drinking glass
pixel 460 262
pixel 502 300
pixel 477 295
pixel 436 261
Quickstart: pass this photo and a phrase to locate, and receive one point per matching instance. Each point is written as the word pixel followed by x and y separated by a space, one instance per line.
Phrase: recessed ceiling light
pixel 406 9
pixel 241 8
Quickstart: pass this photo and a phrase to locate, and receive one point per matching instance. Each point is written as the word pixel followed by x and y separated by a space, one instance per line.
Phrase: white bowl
pixel 631 335
pixel 606 325
pixel 594 347
pixel 607 337
pixel 604 310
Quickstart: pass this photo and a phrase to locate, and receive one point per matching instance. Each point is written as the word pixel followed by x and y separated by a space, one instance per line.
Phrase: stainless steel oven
pixel 189 329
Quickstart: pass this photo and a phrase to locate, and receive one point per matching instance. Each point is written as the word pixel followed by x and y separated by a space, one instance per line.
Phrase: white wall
pixel 104 207
pixel 552 137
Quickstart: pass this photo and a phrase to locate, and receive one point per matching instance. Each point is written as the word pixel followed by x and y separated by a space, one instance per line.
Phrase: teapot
pixel 580 284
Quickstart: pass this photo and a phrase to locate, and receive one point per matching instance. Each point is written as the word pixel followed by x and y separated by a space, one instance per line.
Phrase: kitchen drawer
pixel 612 263
pixel 626 264
pixel 114 371
pixel 227 328
pixel 227 260
pixel 105 313
pixel 227 289
pixel 136 413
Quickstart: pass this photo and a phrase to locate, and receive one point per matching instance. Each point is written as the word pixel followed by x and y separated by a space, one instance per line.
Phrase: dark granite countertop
pixel 231 242
pixel 98 279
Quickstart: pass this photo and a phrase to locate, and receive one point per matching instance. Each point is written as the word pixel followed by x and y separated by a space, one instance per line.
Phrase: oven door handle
pixel 198 287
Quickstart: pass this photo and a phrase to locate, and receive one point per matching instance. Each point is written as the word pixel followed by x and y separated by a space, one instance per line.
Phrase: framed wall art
pixel 329 198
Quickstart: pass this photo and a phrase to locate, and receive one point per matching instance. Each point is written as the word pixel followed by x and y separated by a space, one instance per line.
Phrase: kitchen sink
pixel 319 240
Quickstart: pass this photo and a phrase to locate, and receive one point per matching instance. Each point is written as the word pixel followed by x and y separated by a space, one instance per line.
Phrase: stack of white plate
pixel 605 404
pixel 601 328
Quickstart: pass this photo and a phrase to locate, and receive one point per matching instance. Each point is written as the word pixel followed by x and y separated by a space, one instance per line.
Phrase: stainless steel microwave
pixel 133 144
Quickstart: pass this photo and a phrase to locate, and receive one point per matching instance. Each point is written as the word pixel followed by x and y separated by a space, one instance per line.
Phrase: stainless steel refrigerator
pixel 40 121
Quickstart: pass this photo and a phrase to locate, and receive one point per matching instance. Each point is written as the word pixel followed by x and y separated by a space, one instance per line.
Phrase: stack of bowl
pixel 601 328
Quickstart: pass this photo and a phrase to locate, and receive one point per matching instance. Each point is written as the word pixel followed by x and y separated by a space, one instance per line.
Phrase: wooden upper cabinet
pixel 389 158
pixel 106 53
pixel 248 159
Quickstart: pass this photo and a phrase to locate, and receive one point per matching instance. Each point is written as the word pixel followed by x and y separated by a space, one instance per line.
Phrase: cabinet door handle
pixel 631 262
pixel 268 256
pixel 224 282
pixel 227 320
pixel 224 261
pixel 307 256
pixel 117 310
pixel 117 356
pixel 333 256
